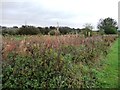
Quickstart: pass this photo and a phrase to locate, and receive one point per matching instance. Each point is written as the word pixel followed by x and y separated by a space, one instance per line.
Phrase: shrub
pixel 48 71
pixel 28 30
pixel 54 32
pixel 9 31
pixel 87 32
pixel 69 66
pixel 109 25
pixel 110 30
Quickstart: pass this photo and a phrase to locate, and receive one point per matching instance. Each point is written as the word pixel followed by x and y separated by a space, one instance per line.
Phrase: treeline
pixel 105 26
pixel 32 30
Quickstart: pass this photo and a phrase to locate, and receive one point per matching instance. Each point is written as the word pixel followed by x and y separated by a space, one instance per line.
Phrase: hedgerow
pixel 42 65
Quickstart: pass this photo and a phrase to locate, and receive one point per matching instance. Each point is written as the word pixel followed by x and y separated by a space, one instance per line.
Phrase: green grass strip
pixel 108 77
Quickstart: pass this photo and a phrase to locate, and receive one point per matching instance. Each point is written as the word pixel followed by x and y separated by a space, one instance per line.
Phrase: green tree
pixel 108 25
pixel 88 26
pixel 87 30
pixel 15 26
pixel 28 30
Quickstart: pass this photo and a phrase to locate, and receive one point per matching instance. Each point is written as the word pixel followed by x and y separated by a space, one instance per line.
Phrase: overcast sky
pixel 72 13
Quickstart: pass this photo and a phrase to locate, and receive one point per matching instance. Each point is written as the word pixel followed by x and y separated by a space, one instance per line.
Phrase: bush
pixel 54 32
pixel 87 32
pixel 28 30
pixel 48 71
pixel 109 25
pixel 101 32
pixel 66 67
pixel 9 31
pixel 110 30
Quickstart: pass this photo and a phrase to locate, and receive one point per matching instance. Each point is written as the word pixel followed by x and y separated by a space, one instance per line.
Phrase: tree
pixel 54 32
pixel 108 25
pixel 46 30
pixel 52 27
pixel 4 27
pixel 65 30
pixel 87 30
pixel 88 26
pixel 28 30
pixel 15 26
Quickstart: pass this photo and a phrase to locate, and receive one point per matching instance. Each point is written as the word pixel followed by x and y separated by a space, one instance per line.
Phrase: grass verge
pixel 108 76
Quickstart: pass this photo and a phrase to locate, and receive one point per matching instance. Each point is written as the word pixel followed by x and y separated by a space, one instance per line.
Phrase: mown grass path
pixel 108 77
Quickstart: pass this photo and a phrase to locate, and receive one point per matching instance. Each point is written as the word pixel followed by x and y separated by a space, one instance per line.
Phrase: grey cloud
pixel 18 12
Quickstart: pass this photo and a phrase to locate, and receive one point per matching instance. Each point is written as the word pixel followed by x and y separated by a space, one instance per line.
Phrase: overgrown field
pixel 69 61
